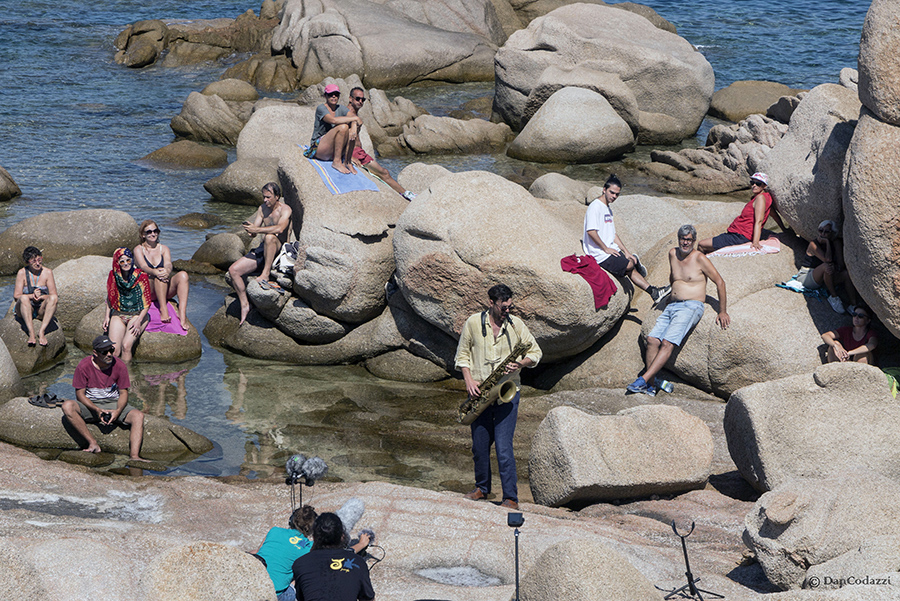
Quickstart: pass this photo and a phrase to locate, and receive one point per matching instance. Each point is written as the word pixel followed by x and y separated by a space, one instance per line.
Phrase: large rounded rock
pixel 294 317
pixel 10 381
pixel 671 81
pixel 67 235
pixel 418 176
pixel 578 457
pixel 556 186
pixel 345 255
pixel 586 76
pixel 32 359
pixel 445 135
pixel 879 61
pixel 877 555
pixel 202 570
pixel 450 247
pixel 207 119
pixel 8 188
pixel 814 425
pixel 242 181
pixel 871 214
pixel 744 98
pixel 403 366
pixel 341 37
pixel 805 522
pixel 151 347
pixel 232 89
pixel 81 285
pixel 585 570
pixel 258 337
pixel 77 559
pixel 220 250
pixel 466 16
pixel 806 166
pixel 23 424
pixel 186 154
pixel 574 126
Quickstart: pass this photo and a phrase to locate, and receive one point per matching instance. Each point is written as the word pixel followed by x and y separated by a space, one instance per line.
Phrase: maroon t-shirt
pixel 101 385
pixel 845 335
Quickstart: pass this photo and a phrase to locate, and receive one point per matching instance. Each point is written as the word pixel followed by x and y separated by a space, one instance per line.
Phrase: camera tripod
pixel 691 586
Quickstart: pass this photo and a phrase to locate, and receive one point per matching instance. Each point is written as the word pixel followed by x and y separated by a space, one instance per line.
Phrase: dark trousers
pixel 496 426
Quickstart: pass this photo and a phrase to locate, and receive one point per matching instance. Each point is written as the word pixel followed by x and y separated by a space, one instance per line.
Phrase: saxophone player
pixel 487 339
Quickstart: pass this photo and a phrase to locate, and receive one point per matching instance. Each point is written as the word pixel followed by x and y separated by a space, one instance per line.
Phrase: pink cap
pixel 758 176
pixel 331 88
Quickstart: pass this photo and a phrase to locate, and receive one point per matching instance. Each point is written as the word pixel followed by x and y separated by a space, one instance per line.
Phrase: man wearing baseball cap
pixel 101 384
pixel 748 227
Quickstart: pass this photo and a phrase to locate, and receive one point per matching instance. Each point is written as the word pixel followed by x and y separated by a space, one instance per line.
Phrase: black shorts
pixel 258 254
pixel 616 265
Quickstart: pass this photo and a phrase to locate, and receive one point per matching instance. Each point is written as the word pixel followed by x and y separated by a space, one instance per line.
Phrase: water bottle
pixel 665 385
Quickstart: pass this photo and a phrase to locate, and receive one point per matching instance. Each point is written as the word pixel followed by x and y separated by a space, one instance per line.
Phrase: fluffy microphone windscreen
pixel 350 513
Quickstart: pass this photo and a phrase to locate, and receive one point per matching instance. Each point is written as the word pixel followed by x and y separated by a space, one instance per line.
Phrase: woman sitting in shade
pixel 853 343
pixel 127 303
pixel 155 260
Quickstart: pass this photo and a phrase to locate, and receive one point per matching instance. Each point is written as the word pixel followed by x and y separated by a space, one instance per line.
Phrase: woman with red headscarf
pixel 127 303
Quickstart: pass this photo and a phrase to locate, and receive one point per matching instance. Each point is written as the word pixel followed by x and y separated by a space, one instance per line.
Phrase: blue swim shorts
pixel 677 320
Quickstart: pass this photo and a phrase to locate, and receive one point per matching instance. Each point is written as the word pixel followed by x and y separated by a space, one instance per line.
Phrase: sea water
pixel 74 126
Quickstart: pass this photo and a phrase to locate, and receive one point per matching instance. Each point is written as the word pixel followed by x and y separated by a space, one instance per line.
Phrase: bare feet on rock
pixel 245 310
pixel 42 340
pixel 94 448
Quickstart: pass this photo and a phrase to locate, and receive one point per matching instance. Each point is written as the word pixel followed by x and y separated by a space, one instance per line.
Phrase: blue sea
pixel 73 126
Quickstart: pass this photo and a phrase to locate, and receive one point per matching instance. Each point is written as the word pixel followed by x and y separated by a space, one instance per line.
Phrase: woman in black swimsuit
pixel 155 260
pixel 35 295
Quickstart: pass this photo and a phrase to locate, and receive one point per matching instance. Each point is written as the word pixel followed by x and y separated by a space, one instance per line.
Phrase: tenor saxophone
pixel 472 407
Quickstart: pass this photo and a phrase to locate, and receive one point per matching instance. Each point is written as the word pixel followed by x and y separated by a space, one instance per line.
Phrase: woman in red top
pixel 856 343
pixel 748 227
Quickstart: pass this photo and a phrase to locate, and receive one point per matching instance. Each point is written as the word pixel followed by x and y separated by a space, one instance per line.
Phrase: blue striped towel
pixel 340 183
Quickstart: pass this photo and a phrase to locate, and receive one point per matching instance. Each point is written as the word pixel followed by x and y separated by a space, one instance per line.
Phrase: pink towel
pixel 769 246
pixel 157 325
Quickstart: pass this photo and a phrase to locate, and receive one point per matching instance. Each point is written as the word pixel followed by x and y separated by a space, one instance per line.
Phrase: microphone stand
pixel 516 534
pixel 691 586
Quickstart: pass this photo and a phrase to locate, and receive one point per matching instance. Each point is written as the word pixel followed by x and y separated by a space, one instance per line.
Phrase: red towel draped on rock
pixel 586 266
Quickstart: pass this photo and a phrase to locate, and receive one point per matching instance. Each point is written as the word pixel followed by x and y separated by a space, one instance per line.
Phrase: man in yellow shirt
pixel 487 339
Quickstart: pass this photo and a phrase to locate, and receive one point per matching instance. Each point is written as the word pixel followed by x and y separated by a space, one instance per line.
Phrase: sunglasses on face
pixel 106 351
pixel 148 232
pixel 861 315
pixel 757 184
pixel 124 261
pixel 329 94
pixel 359 98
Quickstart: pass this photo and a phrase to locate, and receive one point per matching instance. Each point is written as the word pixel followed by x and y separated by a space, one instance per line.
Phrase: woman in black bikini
pixel 155 260
pixel 35 294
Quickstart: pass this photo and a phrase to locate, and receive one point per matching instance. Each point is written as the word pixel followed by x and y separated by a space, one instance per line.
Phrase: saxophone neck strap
pixel 484 321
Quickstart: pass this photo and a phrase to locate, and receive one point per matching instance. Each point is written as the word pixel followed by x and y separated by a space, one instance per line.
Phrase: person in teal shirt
pixel 283 546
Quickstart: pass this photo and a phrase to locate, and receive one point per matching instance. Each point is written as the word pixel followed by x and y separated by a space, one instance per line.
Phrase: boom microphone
pixel 350 513
pixel 294 466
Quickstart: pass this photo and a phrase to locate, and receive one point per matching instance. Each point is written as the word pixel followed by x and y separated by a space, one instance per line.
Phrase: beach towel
pixel 157 325
pixel 794 285
pixel 340 183
pixel 769 246
pixel 601 284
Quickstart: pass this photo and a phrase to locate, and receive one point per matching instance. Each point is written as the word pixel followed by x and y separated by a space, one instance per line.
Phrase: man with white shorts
pixel 689 271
